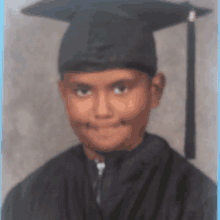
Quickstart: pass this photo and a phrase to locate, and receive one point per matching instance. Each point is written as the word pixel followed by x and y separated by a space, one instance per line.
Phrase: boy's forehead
pixel 107 76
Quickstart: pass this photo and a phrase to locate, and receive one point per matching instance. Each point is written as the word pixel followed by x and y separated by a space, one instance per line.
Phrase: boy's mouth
pixel 103 125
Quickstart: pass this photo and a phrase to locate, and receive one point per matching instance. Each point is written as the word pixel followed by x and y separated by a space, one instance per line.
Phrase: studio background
pixel 35 127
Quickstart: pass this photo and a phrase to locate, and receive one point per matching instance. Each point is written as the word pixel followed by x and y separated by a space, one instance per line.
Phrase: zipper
pixel 101 168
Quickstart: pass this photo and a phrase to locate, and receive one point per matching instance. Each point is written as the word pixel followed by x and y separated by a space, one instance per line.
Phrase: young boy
pixel 109 85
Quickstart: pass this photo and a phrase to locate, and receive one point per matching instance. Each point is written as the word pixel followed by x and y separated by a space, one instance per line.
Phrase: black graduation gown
pixel 152 182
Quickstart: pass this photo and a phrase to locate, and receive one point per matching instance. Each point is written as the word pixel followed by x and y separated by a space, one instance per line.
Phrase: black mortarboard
pixel 110 34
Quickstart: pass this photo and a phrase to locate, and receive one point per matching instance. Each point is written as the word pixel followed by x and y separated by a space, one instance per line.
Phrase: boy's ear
pixel 157 88
pixel 61 89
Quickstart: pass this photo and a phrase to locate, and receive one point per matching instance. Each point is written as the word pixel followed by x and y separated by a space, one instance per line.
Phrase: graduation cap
pixel 112 33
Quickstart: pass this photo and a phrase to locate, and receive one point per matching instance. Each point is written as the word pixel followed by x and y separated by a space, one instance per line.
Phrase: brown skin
pixel 109 110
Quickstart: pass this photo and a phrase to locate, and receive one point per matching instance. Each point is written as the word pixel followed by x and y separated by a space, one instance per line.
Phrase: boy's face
pixel 109 110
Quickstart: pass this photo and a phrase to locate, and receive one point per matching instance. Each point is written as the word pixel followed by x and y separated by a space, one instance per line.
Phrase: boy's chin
pixel 120 138
pixel 107 143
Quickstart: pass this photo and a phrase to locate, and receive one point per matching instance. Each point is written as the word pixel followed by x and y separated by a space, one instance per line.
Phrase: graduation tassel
pixel 190 101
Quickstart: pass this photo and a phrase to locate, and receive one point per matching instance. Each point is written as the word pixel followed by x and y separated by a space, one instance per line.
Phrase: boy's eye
pixel 83 92
pixel 120 89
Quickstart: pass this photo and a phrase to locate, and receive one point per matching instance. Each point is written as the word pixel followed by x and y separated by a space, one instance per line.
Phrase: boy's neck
pixel 92 155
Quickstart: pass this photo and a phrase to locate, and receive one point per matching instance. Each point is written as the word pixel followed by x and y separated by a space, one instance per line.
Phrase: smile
pixel 103 125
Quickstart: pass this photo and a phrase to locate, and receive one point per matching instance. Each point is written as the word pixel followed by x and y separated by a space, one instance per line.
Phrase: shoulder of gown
pixel 194 190
pixel 45 180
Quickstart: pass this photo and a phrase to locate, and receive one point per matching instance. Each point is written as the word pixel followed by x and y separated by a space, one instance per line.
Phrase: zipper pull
pixel 101 168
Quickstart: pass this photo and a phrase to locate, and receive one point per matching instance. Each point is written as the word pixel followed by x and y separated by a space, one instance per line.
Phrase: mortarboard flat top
pixel 162 14
pixel 129 20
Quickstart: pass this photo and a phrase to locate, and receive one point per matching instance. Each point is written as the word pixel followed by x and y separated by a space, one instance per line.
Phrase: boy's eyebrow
pixel 121 82
pixel 85 85
pixel 111 84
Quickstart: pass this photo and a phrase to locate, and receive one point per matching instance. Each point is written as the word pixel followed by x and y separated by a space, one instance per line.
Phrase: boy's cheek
pixel 78 109
pixel 133 109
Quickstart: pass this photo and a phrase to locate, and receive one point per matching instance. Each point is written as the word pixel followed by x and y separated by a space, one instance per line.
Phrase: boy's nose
pixel 102 107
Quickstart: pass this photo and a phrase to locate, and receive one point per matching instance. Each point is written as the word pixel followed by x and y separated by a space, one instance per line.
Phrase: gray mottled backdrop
pixel 35 127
